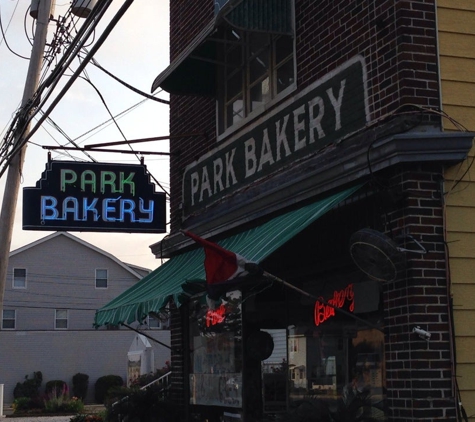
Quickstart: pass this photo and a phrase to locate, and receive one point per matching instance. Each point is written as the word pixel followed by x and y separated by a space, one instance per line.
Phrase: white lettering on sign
pixel 307 123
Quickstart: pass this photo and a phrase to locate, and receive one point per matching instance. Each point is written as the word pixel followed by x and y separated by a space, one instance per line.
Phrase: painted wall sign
pixel 79 196
pixel 341 298
pixel 323 113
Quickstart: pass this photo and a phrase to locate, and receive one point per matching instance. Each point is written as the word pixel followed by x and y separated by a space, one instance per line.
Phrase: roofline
pixel 127 267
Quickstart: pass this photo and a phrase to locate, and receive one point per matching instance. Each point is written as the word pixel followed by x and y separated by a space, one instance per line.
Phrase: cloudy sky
pixel 136 52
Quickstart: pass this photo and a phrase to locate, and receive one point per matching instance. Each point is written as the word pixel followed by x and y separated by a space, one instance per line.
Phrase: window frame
pixel 154 327
pixel 9 319
pixel 56 319
pixel 223 129
pixel 101 278
pixel 14 278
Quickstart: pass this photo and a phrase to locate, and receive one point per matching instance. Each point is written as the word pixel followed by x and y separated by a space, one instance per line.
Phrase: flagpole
pixel 319 299
pixel 221 264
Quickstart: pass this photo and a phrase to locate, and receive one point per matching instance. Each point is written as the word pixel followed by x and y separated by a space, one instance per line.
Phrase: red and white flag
pixel 220 264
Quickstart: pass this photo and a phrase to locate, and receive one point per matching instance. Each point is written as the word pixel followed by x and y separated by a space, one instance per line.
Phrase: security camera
pixel 423 334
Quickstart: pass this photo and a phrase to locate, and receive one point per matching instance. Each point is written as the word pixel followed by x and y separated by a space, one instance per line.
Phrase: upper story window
pixel 101 278
pixel 61 319
pixel 245 58
pixel 154 322
pixel 258 67
pixel 293 345
pixel 19 278
pixel 9 319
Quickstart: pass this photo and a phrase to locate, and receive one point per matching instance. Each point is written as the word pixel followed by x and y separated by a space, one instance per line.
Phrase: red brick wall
pixel 418 373
pixel 397 38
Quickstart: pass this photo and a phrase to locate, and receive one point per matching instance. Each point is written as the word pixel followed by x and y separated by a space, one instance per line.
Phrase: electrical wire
pixel 42 98
pixel 5 39
pixel 63 133
pixel 108 122
pixel 144 94
pixel 17 121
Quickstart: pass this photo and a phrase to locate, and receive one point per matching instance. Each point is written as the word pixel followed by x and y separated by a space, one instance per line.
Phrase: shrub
pixel 146 379
pixel 21 404
pixel 80 385
pixel 74 405
pixel 87 418
pixel 103 384
pixel 30 387
pixel 57 400
pixel 55 385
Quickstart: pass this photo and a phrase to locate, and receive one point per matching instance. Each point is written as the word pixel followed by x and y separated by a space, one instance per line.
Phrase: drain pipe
pixel 1 400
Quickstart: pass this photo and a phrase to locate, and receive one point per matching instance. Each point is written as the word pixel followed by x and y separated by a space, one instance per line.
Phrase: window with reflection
pixel 336 362
pixel 257 68
pixel 216 351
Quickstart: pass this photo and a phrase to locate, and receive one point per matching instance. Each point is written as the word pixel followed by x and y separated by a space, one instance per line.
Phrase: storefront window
pixel 340 376
pixel 328 364
pixel 336 362
pixel 216 351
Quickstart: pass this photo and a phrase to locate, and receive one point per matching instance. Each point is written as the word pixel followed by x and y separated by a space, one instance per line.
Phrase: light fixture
pixel 423 334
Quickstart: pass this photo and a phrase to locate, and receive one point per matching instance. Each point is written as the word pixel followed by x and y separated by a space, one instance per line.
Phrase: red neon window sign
pixel 216 316
pixel 340 298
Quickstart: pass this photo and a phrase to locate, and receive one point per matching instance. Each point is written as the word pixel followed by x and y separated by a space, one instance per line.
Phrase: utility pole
pixel 14 173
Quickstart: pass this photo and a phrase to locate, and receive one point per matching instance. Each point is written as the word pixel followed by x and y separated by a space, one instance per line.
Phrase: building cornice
pixel 341 164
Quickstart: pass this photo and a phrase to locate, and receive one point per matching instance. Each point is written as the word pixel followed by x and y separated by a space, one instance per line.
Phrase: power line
pixel 138 91
pixel 54 81
pixel 4 37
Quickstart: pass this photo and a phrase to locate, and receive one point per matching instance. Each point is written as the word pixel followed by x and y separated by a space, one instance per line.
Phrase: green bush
pixel 80 385
pixel 56 386
pixel 103 384
pixel 96 417
pixel 30 387
pixel 21 404
pixel 146 379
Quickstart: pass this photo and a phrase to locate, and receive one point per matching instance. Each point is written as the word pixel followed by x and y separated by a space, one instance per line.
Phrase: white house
pixel 54 286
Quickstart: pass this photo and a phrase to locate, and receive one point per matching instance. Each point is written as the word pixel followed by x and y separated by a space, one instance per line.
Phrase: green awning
pixel 165 283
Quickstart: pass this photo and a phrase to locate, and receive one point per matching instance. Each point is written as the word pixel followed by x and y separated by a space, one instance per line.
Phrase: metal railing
pixel 163 382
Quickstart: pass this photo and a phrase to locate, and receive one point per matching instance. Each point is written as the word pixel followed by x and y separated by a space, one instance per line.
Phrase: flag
pixel 221 265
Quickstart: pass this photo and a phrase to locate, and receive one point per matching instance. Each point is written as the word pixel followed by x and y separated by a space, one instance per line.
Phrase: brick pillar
pixel 419 376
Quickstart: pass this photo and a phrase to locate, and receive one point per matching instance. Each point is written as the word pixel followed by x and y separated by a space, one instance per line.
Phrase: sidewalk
pixel 8 415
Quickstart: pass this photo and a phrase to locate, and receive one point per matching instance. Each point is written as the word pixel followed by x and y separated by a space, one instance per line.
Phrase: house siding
pixel 62 354
pixel 456 20
pixel 61 275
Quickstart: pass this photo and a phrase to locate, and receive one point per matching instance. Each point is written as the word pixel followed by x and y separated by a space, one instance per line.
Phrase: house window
pixel 19 278
pixel 154 322
pixel 293 345
pixel 61 319
pixel 258 68
pixel 9 319
pixel 101 279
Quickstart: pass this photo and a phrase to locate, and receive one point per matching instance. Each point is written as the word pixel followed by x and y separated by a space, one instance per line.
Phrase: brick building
pixel 314 138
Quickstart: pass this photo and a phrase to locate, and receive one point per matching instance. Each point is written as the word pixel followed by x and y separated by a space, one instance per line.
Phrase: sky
pixel 136 51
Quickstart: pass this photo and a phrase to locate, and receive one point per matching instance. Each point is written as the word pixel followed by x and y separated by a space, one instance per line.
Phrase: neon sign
pixel 323 312
pixel 216 316
pixel 94 197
